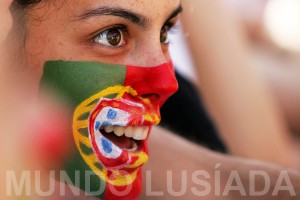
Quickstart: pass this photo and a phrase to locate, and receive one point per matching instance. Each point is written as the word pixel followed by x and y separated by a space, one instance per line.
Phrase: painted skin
pixel 122 102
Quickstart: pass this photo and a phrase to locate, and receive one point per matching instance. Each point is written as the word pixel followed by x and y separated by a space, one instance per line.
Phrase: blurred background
pixel 272 30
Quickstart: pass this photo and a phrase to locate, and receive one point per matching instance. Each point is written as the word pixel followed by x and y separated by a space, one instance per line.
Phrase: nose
pixel 157 82
pixel 152 76
pixel 148 53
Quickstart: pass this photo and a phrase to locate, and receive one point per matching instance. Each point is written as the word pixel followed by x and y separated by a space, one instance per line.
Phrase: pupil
pixel 114 37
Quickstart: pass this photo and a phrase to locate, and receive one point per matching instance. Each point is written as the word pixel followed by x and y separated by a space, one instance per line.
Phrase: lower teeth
pixel 133 148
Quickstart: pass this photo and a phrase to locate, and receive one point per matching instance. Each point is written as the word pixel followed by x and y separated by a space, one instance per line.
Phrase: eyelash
pixel 171 29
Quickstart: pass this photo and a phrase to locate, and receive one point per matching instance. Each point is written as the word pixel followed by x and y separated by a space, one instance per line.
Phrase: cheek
pixel 167 54
pixel 5 21
pixel 35 49
pixel 40 49
pixel 43 42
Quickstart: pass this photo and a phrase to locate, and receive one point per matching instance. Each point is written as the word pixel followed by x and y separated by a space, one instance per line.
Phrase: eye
pixel 166 30
pixel 113 37
pixel 164 34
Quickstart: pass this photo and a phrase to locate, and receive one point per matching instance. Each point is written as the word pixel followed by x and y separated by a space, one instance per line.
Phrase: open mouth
pixel 126 138
pixel 119 130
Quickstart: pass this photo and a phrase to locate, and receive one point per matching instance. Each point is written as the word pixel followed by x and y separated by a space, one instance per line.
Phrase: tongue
pixel 123 142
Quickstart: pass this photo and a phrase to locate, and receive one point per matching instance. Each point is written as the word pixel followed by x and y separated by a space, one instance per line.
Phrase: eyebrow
pixel 119 12
pixel 135 18
pixel 176 12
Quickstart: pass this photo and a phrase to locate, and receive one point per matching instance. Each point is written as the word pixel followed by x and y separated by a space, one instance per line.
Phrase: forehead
pixel 152 9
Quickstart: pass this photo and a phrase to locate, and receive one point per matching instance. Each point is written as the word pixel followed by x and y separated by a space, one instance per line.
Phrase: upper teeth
pixel 135 132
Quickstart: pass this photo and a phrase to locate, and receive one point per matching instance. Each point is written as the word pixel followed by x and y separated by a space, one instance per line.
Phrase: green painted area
pixel 86 150
pixel 88 180
pixel 85 116
pixel 98 165
pixel 84 132
pixel 76 81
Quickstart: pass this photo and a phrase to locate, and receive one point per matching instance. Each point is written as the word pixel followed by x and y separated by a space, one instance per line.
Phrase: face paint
pixel 115 107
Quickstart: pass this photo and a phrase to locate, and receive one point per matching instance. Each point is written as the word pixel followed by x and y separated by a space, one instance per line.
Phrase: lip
pixel 121 113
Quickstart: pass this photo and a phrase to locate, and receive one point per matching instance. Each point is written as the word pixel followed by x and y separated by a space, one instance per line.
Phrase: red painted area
pixel 128 192
pixel 157 83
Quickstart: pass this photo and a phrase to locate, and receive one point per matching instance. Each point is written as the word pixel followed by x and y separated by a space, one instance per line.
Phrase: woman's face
pixel 115 106
pixel 130 32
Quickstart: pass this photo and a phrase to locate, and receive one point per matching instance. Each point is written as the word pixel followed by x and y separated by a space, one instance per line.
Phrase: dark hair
pixel 25 3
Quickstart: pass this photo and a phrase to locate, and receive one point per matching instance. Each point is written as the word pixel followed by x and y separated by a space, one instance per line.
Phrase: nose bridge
pixel 158 81
pixel 149 53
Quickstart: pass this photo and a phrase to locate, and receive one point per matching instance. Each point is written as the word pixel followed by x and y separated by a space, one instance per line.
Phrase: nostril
pixel 151 96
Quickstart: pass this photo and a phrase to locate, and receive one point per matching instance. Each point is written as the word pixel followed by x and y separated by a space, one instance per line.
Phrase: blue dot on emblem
pixel 107 124
pixel 111 114
pixel 107 145
pixel 97 125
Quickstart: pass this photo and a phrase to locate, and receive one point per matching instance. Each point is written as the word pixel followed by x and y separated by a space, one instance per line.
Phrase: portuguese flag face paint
pixel 114 107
